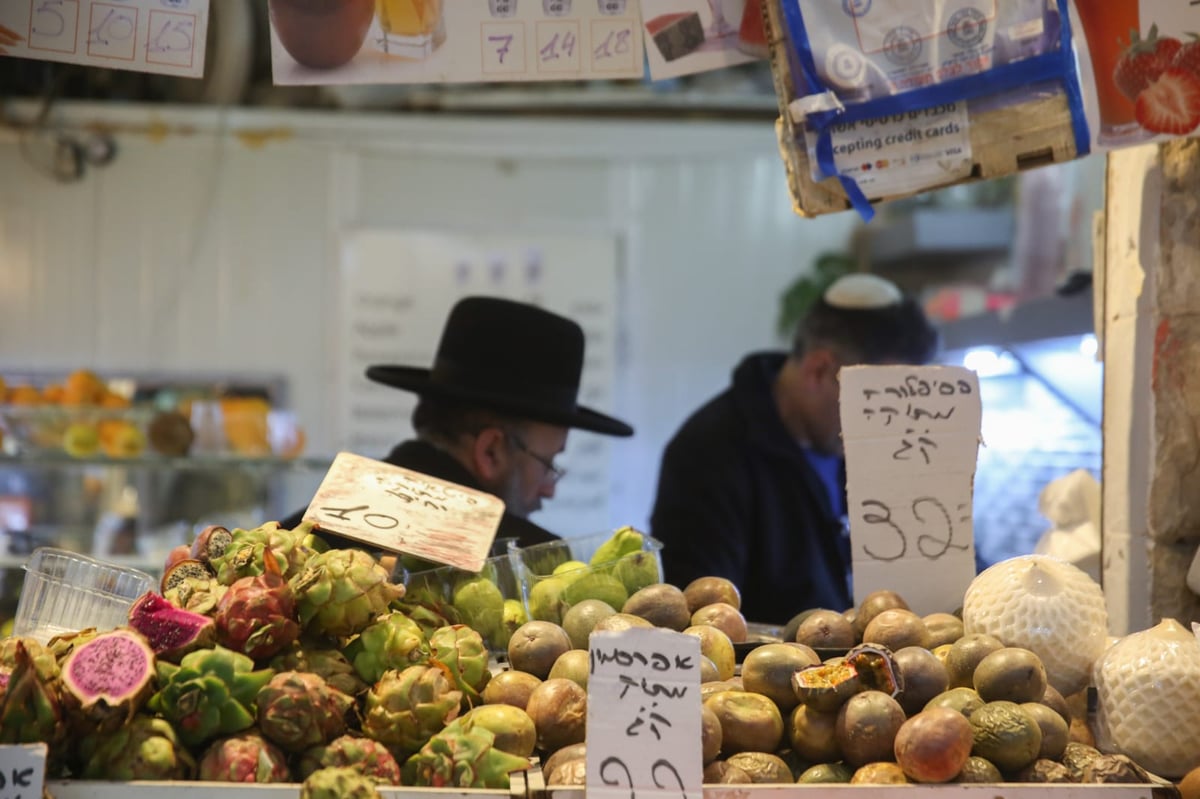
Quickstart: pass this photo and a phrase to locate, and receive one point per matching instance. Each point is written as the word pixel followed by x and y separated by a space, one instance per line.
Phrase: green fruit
pixel 571 570
pixel 605 587
pixel 623 542
pixel 637 571
pixel 481 604
pixel 513 617
pixel 546 598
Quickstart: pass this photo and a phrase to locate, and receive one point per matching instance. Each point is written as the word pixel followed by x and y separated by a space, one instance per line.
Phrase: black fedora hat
pixel 509 356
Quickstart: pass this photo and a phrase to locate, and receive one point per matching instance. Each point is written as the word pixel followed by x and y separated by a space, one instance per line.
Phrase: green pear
pixel 571 570
pixel 623 542
pixel 512 619
pixel 545 599
pixel 637 571
pixel 605 587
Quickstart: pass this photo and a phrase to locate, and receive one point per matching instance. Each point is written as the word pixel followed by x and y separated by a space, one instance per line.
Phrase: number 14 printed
pixel 575 47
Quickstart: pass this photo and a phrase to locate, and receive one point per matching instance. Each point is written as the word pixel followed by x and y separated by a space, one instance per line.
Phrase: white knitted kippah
pixel 862 291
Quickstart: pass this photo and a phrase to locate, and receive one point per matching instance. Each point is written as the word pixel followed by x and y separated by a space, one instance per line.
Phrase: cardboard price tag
pixel 643 724
pixel 912 440
pixel 164 36
pixel 405 511
pixel 22 771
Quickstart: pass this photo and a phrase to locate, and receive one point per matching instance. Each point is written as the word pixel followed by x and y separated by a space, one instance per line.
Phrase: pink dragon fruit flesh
pixel 244 758
pixel 171 631
pixel 257 615
pixel 106 680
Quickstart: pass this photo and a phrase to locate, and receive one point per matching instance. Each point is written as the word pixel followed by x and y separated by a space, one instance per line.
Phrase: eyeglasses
pixel 553 473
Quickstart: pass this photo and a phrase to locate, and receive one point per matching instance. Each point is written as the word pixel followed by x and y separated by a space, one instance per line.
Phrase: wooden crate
pixel 1003 140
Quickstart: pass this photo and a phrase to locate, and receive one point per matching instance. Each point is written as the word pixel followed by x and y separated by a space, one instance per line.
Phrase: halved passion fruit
pixel 826 686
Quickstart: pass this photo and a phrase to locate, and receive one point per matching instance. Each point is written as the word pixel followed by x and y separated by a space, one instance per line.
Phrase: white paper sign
pixel 684 37
pixel 22 771
pixel 643 724
pixel 405 511
pixel 454 41
pixel 164 36
pixel 912 439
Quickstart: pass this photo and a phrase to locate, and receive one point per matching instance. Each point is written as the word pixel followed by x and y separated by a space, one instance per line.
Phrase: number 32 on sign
pixel 912 438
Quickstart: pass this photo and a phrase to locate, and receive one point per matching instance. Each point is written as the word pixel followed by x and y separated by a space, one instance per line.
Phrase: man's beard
pixel 508 489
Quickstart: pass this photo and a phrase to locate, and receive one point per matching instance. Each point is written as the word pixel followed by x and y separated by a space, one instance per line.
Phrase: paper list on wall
pixel 164 36
pixel 397 288
pixel 911 437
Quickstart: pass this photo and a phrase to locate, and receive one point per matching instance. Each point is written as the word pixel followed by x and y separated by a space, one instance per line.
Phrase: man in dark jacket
pixel 496 406
pixel 752 487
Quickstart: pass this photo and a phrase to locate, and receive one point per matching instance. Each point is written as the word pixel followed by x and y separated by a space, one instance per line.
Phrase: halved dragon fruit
pixel 171 631
pixel 181 570
pixel 211 543
pixel 106 680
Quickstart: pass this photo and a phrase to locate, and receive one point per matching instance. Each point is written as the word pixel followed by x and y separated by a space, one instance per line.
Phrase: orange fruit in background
pixel 246 427
pixel 111 400
pixel 121 439
pixel 81 440
pixel 52 393
pixel 82 387
pixel 24 395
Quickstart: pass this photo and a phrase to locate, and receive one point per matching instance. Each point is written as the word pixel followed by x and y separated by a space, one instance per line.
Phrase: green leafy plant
pixel 805 290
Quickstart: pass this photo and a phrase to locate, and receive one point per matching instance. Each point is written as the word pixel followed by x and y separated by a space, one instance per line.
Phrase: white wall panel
pixel 201 252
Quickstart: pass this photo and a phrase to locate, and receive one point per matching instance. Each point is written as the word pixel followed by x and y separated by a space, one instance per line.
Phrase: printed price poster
pixel 912 440
pixel 438 41
pixel 643 720
pixel 164 36
pixel 684 37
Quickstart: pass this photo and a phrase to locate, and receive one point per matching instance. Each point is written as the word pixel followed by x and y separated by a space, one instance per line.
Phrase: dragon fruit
pixel 178 572
pixel 298 711
pixel 338 783
pixel 211 543
pixel 405 708
pixel 257 615
pixel 330 664
pixel 366 756
pixel 392 641
pixel 463 651
pixel 197 594
pixel 105 681
pixel 428 609
pixel 145 749
pixel 465 757
pixel 63 644
pixel 30 711
pixel 244 758
pixel 171 631
pixel 44 657
pixel 243 557
pixel 341 591
pixel 210 693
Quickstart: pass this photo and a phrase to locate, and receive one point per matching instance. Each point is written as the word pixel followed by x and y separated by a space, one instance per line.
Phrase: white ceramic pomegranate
pixel 1047 606
pixel 1148 687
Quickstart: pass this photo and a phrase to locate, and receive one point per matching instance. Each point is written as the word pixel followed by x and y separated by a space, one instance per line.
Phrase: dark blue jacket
pixel 737 498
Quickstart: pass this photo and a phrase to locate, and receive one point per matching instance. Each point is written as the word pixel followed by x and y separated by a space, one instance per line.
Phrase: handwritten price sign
pixel 166 36
pixel 22 771
pixel 405 511
pixel 912 439
pixel 643 725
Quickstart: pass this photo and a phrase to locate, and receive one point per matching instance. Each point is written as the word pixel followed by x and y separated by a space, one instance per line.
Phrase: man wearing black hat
pixel 496 406
pixel 752 487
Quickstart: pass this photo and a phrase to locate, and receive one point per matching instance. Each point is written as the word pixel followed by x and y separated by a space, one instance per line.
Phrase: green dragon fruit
pixel 342 591
pixel 30 711
pixel 330 664
pixel 144 749
pixel 462 650
pixel 210 693
pixel 428 609
pixel 392 641
pixel 44 656
pixel 370 758
pixel 298 710
pixel 172 632
pixel 257 615
pixel 197 594
pixel 406 708
pixel 465 757
pixel 338 782
pixel 247 757
pixel 106 680
pixel 243 557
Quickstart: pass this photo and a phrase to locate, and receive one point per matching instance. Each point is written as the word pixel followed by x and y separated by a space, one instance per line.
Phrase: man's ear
pixel 489 455
pixel 820 365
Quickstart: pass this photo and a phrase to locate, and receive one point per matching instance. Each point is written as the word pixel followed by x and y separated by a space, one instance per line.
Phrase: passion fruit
pixel 716 646
pixel 881 773
pixel 719 772
pixel 872 605
pixel 1006 735
pixel 724 617
pixel 768 670
pixel 569 773
pixel 510 687
pixel 1055 701
pixel 708 670
pixel 812 735
pixel 934 745
pixel 764 768
pixel 866 728
pixel 1055 732
pixel 620 622
pixel 567 753
pixel 558 708
pixel 964 700
pixel 749 722
pixel 979 769
pixel 707 590
pixel 536 645
pixel 582 618
pixel 896 628
pixel 965 654
pixel 826 629
pixel 1043 771
pixel 944 628
pixel 828 773
pixel 923 677
pixel 661 604
pixel 573 665
pixel 825 687
pixel 1010 674
pixel 710 735
pixel 513 728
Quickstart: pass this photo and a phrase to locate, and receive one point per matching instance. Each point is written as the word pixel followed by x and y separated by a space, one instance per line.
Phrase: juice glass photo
pixel 752 35
pixel 411 28
pixel 1105 24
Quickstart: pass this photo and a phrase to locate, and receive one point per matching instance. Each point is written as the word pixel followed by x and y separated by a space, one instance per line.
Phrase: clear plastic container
pixel 548 594
pixel 490 601
pixel 64 591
